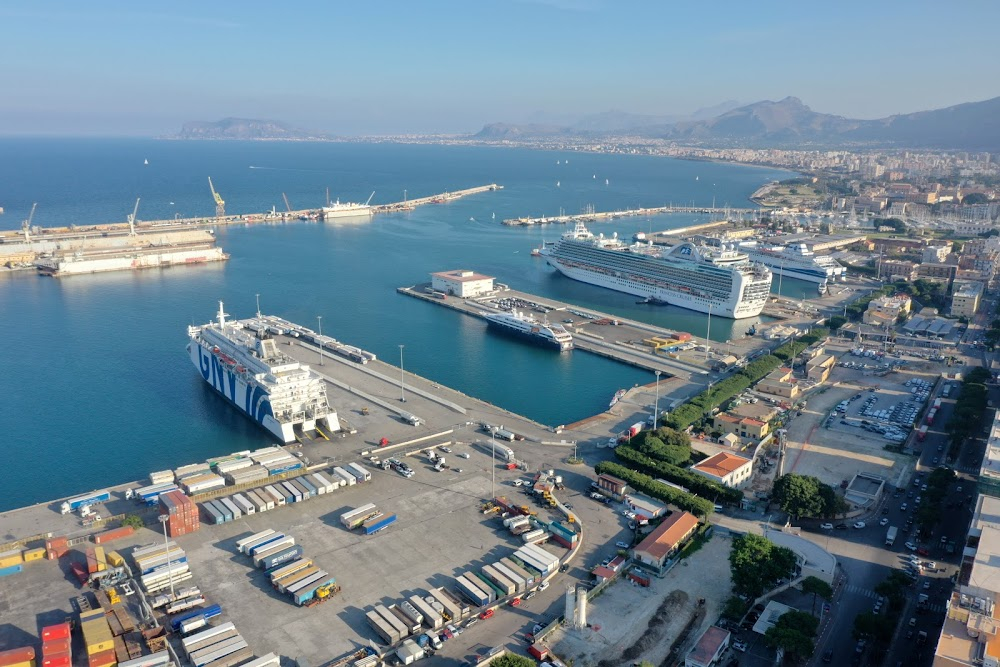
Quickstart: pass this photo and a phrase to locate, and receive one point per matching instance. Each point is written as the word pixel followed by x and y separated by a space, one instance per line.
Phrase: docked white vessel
pixel 527 327
pixel 243 363
pixel 74 263
pixel 339 209
pixel 796 261
pixel 717 280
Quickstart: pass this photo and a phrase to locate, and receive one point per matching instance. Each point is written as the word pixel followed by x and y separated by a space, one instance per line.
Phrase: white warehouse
pixel 462 283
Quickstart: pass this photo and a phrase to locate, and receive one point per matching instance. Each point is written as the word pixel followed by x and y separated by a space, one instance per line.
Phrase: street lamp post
pixel 493 464
pixel 402 392
pixel 319 318
pixel 656 406
pixel 708 331
pixel 170 572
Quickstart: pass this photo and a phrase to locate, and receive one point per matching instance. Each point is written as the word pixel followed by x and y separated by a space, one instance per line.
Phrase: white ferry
pixel 525 326
pixel 796 261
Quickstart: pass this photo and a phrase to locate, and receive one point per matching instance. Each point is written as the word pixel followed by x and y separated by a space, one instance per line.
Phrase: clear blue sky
pixel 369 66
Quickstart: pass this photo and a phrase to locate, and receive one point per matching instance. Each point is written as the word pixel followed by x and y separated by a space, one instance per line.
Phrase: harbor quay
pixel 440 531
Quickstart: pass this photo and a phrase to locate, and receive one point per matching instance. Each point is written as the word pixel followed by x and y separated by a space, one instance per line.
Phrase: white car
pixel 464 455
pixel 622 545
pixel 826 526
pixel 911 546
pixel 740 646
pixel 884 521
pixel 542 586
pixel 860 524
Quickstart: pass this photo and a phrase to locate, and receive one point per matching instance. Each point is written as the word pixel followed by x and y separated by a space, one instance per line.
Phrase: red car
pixel 923 552
pixel 486 614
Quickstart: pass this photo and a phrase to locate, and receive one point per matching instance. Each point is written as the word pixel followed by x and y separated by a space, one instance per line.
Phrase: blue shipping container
pixel 380 523
pixel 207 613
pixel 13 569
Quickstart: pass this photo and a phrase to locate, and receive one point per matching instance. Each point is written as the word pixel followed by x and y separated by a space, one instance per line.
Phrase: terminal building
pixel 965 298
pixel 462 283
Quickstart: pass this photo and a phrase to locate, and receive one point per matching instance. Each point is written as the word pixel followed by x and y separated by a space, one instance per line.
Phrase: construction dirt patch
pixel 629 623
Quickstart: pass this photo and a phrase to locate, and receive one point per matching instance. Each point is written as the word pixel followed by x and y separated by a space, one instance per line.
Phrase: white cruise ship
pixel 245 365
pixel 717 280
pixel 796 261
pixel 339 209
pixel 525 326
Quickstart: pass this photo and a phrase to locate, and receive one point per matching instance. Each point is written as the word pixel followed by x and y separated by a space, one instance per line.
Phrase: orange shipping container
pixel 58 660
pixel 58 631
pixel 55 646
pixel 103 659
pixel 116 534
pixel 16 656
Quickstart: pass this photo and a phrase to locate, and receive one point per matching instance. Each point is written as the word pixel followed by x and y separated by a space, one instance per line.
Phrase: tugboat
pixel 752 330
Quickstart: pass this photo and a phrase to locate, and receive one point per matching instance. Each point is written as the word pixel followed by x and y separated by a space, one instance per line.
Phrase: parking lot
pixel 846 427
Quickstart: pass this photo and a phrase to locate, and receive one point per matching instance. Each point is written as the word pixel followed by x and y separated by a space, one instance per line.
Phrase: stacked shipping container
pixel 56 646
pixel 97 639
pixel 18 657
pixel 181 513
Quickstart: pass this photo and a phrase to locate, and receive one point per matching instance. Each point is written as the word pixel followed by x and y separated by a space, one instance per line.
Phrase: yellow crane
pixel 220 206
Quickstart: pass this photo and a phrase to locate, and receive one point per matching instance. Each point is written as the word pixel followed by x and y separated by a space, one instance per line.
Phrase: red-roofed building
pixel 709 648
pixel 666 540
pixel 745 427
pixel 726 469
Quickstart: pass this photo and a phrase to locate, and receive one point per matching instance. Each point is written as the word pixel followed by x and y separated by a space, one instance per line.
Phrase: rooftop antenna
pixel 222 317
pixel 131 218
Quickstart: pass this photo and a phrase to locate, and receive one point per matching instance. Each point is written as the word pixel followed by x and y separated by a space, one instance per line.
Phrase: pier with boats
pixel 603 216
pixel 135 244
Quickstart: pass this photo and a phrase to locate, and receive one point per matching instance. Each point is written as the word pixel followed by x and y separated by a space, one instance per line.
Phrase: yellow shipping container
pixel 115 559
pixel 29 663
pixel 91 615
pixel 102 561
pixel 34 554
pixel 109 664
pixel 98 647
pixel 11 560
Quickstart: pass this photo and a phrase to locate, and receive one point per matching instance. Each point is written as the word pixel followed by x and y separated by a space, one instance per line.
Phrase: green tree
pixel 975 198
pixel 513 660
pixel 836 322
pixel 734 608
pixel 818 588
pixel 793 632
pixel 877 627
pixel 757 563
pixel 833 502
pixel 134 521
pixel 798 495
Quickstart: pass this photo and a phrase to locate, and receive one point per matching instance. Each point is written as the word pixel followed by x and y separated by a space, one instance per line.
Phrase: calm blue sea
pixel 96 386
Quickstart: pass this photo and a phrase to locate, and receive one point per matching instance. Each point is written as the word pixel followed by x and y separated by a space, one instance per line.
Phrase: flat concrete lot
pixel 841 451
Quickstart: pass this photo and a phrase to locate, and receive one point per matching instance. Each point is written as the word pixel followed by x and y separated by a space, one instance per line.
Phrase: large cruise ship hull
pixel 251 399
pixel 515 332
pixel 735 311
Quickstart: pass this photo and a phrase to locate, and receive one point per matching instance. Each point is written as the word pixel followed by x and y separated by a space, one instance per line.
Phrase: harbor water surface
pixel 97 387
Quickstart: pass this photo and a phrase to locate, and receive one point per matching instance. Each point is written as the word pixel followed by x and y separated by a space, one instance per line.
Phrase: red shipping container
pixel 538 651
pixel 57 660
pixel 17 655
pixel 116 534
pixel 55 646
pixel 58 631
pixel 54 553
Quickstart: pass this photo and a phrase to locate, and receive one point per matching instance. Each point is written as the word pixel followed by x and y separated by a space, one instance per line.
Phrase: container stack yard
pixel 18 657
pixel 97 638
pixel 181 513
pixel 290 574
pixel 57 650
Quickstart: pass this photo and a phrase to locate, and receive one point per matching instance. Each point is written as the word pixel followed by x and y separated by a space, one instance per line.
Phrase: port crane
pixel 131 218
pixel 26 225
pixel 287 205
pixel 220 206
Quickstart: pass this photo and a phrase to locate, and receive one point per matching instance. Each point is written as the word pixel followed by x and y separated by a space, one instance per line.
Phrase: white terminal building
pixel 462 283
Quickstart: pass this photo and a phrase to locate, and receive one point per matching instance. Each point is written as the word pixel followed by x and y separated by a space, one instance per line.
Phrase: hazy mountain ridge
pixel 245 129
pixel 970 126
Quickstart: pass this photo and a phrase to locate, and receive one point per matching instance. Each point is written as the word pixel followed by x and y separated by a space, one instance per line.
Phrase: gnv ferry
pixel 243 363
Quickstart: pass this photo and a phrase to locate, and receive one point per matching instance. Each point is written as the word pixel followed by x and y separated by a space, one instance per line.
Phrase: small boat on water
pixel 619 395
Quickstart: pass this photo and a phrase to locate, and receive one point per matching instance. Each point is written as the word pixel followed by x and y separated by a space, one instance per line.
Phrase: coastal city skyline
pixel 390 68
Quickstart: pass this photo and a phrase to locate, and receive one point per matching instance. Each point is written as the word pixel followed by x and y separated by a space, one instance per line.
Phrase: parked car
pixel 622 545
pixel 859 524
pixel 841 526
pixel 884 521
pixel 826 526
pixel 911 546
pixel 740 646
pixel 542 586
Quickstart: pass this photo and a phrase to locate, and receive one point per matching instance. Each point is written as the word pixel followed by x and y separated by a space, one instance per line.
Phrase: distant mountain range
pixel 788 122
pixel 246 129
